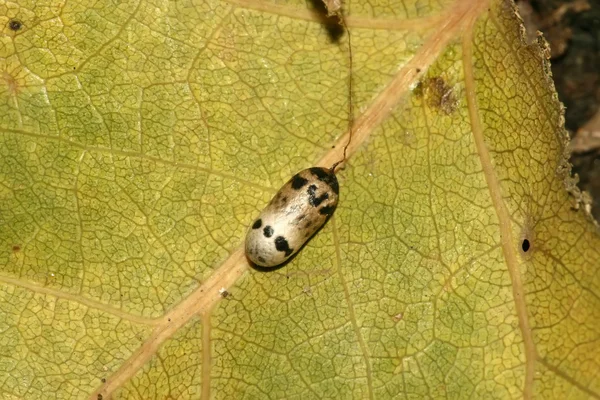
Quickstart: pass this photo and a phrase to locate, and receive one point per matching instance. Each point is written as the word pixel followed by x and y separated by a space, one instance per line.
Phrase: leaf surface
pixel 138 142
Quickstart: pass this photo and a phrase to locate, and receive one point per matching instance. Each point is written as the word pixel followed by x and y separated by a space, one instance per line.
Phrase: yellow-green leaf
pixel 139 140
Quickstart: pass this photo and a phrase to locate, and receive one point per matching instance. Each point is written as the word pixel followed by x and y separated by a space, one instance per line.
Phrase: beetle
pixel 293 215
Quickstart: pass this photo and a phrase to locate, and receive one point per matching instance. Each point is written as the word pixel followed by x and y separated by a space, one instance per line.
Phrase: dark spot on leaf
pixel 16 248
pixel 282 245
pixel 312 197
pixel 437 94
pixel 99 397
pixel 268 231
pixel 103 380
pixel 418 70
pixel 298 182
pixel 525 245
pixel 15 25
pixel 327 176
pixel 257 224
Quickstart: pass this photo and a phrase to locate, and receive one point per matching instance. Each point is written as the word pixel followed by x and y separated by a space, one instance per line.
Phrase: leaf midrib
pixel 205 297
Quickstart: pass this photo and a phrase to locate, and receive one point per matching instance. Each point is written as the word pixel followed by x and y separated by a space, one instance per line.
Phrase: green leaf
pixel 139 140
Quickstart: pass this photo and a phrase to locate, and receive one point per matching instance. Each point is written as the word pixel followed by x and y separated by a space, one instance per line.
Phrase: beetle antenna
pixel 340 15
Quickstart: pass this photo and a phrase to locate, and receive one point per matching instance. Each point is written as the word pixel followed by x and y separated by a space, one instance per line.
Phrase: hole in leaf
pixel 525 245
pixel 15 24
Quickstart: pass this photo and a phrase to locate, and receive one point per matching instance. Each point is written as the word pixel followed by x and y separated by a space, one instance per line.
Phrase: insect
pixel 300 207
pixel 296 212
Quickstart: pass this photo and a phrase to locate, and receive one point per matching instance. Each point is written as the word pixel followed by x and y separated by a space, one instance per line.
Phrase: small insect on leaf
pixel 282 228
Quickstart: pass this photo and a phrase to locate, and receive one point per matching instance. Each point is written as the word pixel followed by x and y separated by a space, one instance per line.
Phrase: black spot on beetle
pixel 327 176
pixel 327 210
pixel 312 197
pixel 261 259
pixel 298 182
pixel 103 380
pixel 99 397
pixel 257 224
pixel 268 231
pixel 282 245
pixel 15 25
pixel 525 245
